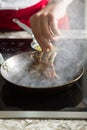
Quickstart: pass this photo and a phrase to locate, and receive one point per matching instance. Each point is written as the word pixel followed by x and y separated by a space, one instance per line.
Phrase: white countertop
pixel 31 124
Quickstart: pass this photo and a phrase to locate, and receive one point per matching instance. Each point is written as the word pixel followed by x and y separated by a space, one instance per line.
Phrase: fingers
pixel 52 57
pixel 38 29
pixel 44 21
pixel 45 29
pixel 45 57
pixel 53 25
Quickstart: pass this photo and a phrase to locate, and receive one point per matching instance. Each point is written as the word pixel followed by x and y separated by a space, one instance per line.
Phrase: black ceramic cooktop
pixel 17 98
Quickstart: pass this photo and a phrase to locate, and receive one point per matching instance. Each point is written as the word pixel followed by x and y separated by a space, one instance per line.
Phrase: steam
pixel 69 63
pixel 70 54
pixel 70 59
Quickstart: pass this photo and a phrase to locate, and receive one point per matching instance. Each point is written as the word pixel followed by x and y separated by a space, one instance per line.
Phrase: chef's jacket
pixel 23 10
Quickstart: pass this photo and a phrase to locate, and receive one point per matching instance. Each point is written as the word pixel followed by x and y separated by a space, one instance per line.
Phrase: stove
pixel 14 98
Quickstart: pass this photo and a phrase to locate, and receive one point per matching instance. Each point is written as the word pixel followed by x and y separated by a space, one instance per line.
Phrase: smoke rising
pixel 70 59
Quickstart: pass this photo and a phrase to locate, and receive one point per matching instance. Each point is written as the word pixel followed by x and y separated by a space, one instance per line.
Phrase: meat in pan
pixel 44 63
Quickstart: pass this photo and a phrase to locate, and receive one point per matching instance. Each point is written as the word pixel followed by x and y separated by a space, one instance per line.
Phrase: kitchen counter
pixel 70 34
pixel 39 124
pixel 29 124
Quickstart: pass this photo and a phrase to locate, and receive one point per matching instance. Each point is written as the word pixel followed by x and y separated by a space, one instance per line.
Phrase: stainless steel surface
pixel 23 26
pixel 26 28
pixel 43 114
pixel 1 59
pixel 69 34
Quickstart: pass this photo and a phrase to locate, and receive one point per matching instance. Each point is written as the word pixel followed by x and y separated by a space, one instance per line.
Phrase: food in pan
pixel 44 63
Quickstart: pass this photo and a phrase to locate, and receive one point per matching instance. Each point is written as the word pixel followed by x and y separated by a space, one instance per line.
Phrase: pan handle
pixel 28 30
pixel 1 59
pixel 23 26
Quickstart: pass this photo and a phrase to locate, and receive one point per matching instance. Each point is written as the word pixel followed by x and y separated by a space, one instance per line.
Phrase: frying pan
pixel 16 71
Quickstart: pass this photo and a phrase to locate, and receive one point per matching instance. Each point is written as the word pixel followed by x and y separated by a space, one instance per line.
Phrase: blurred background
pixel 77 12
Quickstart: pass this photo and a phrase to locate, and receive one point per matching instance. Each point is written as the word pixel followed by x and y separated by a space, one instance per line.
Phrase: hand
pixel 44 24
